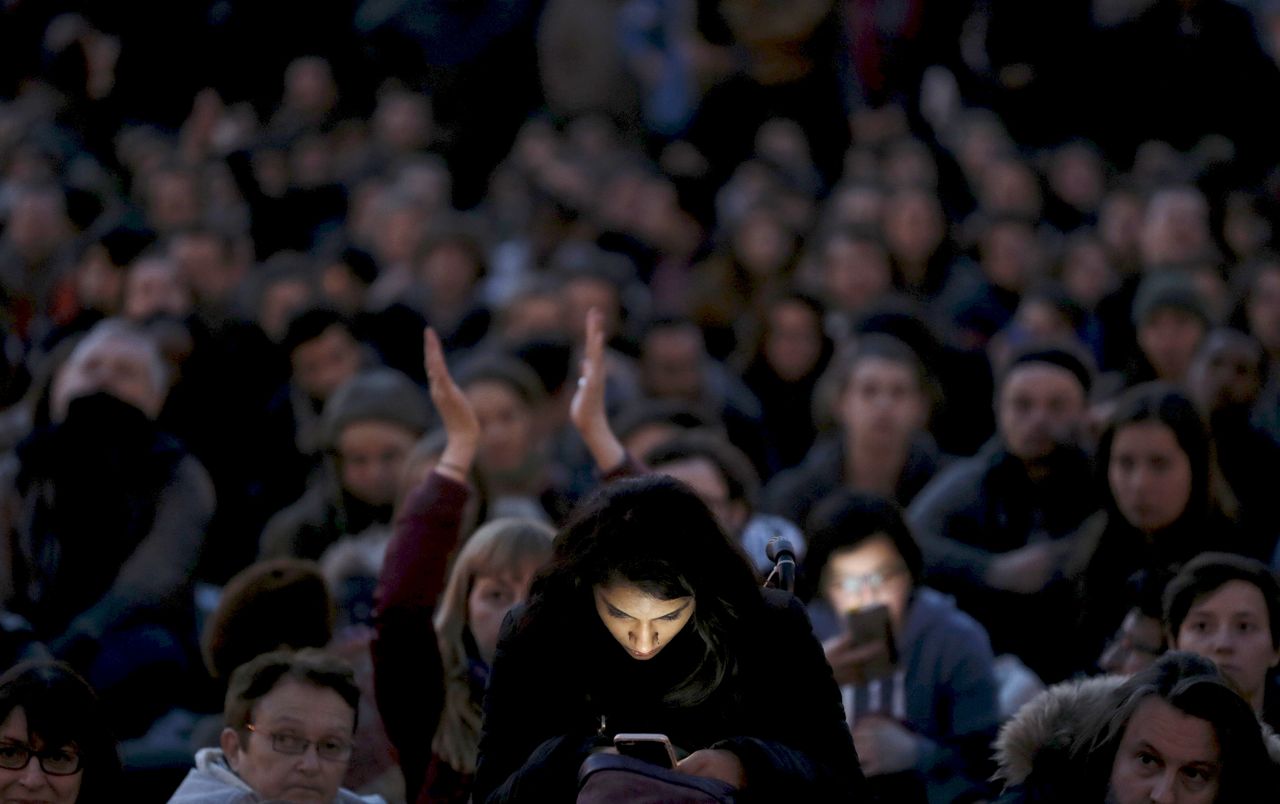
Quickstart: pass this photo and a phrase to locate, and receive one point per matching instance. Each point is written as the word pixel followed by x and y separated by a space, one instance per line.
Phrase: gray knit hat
pixel 378 394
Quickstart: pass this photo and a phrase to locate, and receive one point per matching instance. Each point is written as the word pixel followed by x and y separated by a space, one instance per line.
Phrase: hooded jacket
pixel 212 781
pixel 1039 751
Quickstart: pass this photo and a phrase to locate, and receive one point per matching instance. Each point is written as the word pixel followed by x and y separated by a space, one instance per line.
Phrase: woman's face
pixel 506 426
pixel 1149 475
pixel 32 783
pixel 642 623
pixel 492 596
pixel 794 343
pixel 1232 627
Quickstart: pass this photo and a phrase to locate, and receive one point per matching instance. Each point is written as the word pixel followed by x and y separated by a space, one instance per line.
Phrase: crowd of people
pixel 328 349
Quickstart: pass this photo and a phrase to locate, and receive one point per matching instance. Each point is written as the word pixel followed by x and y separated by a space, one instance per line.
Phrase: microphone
pixel 779 550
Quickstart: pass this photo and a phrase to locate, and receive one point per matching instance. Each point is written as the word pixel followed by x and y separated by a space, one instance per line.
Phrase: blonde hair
pixel 499 546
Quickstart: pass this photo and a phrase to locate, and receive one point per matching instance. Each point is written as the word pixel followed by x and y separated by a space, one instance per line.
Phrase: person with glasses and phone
pixel 916 673
pixel 290 722
pixel 55 744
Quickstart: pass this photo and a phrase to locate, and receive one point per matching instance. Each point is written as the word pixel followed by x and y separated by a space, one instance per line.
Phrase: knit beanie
pixel 379 394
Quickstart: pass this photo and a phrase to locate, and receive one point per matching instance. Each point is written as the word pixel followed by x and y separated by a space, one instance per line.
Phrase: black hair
pixel 735 467
pixel 62 709
pixel 654 532
pixel 645 412
pixel 1208 572
pixel 310 324
pixel 847 518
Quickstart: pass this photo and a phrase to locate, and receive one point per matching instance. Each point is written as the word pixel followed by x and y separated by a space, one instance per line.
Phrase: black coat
pixel 558 689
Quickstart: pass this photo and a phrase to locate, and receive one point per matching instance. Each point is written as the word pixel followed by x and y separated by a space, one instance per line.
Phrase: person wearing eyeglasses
pixel 920 694
pixel 55 744
pixel 290 720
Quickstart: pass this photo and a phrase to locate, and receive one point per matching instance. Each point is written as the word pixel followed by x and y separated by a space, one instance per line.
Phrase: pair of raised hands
pixel 462 427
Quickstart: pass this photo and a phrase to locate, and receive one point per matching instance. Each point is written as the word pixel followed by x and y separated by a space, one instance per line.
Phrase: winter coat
pixel 1041 753
pixel 559 687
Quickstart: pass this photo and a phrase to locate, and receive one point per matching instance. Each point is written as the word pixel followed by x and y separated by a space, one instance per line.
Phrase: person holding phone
pixel 650 621
pixel 916 673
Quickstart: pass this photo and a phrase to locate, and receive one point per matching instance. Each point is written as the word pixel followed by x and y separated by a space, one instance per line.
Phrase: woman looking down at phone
pixel 915 672
pixel 648 620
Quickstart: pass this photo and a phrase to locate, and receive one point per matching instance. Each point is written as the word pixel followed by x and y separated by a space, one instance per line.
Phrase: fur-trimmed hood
pixel 1049 730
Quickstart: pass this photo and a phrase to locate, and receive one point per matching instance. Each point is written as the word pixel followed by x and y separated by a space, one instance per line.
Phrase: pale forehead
pixel 1180 738
pixel 871 555
pixel 1150 436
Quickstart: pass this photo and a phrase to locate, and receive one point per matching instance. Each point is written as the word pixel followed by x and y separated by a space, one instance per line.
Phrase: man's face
pixel 1041 406
pixel 294 711
pixel 1165 755
pixel 322 364
pixel 672 364
pixel 1227 371
pixel 883 404
pixel 705 479
pixel 1169 339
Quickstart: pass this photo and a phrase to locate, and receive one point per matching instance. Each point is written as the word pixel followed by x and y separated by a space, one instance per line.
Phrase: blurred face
pixel 205 267
pixel 322 364
pixel 672 363
pixel 281 301
pixel 372 454
pixel 32 783
pixel 583 293
pixel 1165 755
pixel 117 366
pixel 293 709
pixel 99 283
pixel 1232 626
pixel 1227 371
pixel 705 479
pixel 449 273
pixel 1169 339
pixel 868 574
pixel 855 273
pixel 883 403
pixel 492 595
pixel 506 426
pixel 1263 309
pixel 153 286
pixel 1041 406
pixel 642 623
pixel 761 244
pixel 1087 273
pixel 794 343
pixel 1149 475
pixel 1137 644
pixel 535 314
pixel 1009 253
pixel 913 227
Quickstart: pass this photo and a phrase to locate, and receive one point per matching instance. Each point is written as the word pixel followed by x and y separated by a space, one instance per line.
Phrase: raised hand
pixel 587 410
pixel 462 428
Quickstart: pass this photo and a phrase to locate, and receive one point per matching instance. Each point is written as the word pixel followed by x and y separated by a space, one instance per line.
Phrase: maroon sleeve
pixel 408 676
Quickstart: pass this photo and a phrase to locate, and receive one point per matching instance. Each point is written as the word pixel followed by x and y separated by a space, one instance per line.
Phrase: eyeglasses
pixel 871 582
pixel 330 748
pixel 55 762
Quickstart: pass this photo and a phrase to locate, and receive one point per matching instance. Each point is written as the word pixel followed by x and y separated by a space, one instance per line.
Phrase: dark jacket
pixel 986 505
pixel 793 493
pixel 557 688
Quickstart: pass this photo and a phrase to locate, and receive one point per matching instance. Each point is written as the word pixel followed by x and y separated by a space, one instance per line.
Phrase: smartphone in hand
pixel 653 748
pixel 870 625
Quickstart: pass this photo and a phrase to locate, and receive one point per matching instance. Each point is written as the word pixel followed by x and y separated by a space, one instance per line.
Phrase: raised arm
pixel 408 676
pixel 587 410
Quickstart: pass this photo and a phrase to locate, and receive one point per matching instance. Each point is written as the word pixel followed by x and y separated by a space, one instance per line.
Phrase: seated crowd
pixel 336 466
